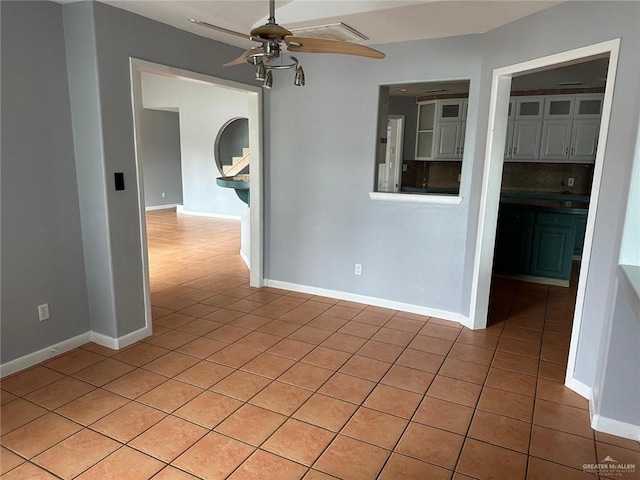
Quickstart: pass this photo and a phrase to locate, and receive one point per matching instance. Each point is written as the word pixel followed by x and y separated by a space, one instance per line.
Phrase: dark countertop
pixel 436 191
pixel 542 208
pixel 553 196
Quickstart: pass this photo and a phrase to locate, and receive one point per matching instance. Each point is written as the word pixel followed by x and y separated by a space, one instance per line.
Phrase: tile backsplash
pixel 422 174
pixel 547 177
pixel 529 177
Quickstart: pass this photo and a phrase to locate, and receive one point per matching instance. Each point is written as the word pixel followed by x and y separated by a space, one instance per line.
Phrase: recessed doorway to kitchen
pixel 554 118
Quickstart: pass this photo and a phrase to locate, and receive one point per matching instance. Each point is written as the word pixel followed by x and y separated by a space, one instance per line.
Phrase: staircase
pixel 234 179
pixel 239 164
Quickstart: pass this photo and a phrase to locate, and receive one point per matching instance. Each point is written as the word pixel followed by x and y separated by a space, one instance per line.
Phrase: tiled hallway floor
pixel 266 384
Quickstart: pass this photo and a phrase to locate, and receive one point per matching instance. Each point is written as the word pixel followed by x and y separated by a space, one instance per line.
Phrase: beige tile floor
pixel 247 383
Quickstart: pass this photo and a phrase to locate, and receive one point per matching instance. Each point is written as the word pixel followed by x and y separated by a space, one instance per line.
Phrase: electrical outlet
pixel 43 312
pixel 163 195
pixel 567 204
pixel 358 269
pixel 459 177
pixel 570 182
pixel 405 167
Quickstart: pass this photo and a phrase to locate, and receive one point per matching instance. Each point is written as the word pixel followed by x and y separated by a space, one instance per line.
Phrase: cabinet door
pixel 588 106
pixel 448 144
pixel 508 145
pixel 451 110
pixel 581 227
pixel 528 108
pixel 513 248
pixel 556 137
pixel 552 252
pixel 558 106
pixel 425 131
pixel 511 112
pixel 526 139
pixel 584 140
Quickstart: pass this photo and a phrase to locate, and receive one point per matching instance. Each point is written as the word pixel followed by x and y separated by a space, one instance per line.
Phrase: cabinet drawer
pixel 516 216
pixel 555 219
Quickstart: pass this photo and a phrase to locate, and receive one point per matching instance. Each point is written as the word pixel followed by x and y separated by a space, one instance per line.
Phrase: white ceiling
pixel 383 21
pixel 589 72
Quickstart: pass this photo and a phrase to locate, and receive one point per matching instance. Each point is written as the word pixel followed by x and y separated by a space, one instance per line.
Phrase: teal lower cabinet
pixel 537 241
pixel 552 252
pixel 581 228
pixel 513 248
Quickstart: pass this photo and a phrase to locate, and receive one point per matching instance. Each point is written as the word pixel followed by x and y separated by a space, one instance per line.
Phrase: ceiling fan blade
pixel 220 29
pixel 243 58
pixel 320 45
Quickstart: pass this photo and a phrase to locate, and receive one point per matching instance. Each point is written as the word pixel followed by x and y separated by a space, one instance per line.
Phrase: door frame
pixel 256 215
pixel 492 182
pixel 399 138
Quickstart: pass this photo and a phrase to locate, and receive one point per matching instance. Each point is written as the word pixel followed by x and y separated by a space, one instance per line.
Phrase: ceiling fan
pixel 273 38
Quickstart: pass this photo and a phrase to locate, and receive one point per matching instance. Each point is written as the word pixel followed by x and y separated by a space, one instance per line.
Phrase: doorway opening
pixel 390 173
pixel 252 219
pixel 492 181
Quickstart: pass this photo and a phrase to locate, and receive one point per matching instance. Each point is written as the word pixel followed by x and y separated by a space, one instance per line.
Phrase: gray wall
pixel 120 35
pixel 160 134
pixel 79 31
pixel 204 109
pixel 320 171
pixel 619 394
pixel 42 255
pixel 408 107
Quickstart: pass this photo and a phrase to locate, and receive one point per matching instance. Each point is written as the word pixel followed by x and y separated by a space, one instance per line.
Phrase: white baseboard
pixel 180 209
pixel 615 427
pixel 34 358
pixel 579 387
pixel 245 259
pixel 600 423
pixel 104 340
pixel 121 342
pixel 161 207
pixel 376 302
pixel 133 337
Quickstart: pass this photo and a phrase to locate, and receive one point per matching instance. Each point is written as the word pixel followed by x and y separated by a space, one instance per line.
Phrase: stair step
pixel 238 165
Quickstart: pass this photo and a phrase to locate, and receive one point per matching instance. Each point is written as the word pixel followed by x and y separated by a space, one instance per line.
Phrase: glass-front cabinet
pixel 570 128
pixel 524 128
pixel 426 130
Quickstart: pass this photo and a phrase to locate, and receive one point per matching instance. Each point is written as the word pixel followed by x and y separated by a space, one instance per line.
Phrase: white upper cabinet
pixel 557 107
pixel 452 119
pixel 451 110
pixel 571 127
pixel 529 108
pixel 449 145
pixel 556 139
pixel 441 129
pixel 526 140
pixel 584 140
pixel 426 130
pixel 540 128
pixel 523 132
pixel 589 106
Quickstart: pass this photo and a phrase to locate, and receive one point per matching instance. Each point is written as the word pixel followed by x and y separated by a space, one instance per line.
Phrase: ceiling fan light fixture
pixel 273 39
pixel 298 79
pixel 268 80
pixel 261 72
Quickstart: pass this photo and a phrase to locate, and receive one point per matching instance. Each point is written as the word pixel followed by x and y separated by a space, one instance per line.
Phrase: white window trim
pixel 416 198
